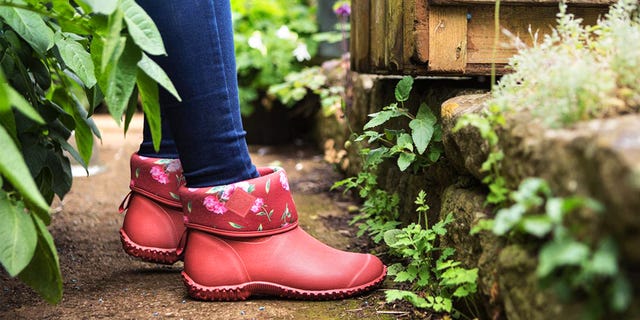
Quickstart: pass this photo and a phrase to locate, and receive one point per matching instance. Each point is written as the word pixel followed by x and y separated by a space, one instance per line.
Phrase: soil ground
pixel 101 281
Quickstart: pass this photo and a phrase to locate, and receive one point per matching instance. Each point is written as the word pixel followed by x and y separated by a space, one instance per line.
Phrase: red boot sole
pixel 245 290
pixel 148 254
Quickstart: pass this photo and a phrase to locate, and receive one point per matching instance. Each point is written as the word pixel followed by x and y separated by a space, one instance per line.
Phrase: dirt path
pixel 100 281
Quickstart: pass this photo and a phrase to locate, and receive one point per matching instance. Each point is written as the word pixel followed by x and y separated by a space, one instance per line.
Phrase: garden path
pixel 101 281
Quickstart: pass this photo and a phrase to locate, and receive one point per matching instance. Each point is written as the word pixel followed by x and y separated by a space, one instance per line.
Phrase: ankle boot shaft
pixel 157 178
pixel 250 208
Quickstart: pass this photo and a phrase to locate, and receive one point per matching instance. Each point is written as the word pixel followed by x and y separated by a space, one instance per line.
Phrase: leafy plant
pixel 436 279
pixel 321 80
pixel 313 79
pixel 272 39
pixel 58 62
pixel 565 90
pixel 379 212
pixel 419 146
pixel 570 265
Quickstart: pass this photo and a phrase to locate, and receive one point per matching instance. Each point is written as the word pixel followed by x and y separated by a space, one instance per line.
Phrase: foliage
pixel 565 89
pixel 313 79
pixel 436 279
pixel 272 39
pixel 420 146
pixel 59 61
pixel 321 80
pixel 571 266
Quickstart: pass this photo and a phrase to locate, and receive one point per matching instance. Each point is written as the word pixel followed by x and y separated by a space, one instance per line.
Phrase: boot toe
pixel 372 272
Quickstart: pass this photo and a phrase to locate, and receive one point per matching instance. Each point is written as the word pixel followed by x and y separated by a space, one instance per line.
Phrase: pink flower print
pixel 132 183
pixel 283 181
pixel 158 174
pixel 174 165
pixel 228 191
pixel 212 204
pixel 257 205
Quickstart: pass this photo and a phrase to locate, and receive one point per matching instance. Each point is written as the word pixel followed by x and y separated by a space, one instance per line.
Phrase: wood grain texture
pixel 377 45
pixel 523 2
pixel 420 37
pixel 360 35
pixel 447 39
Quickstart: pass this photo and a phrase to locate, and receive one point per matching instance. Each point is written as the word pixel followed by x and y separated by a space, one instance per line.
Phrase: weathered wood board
pixel 440 37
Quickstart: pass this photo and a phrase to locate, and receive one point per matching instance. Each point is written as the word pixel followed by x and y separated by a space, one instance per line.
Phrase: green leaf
pixel 132 108
pixel 13 167
pixel 405 160
pixel 605 260
pixel 378 118
pixel 403 88
pixel 235 225
pixel 174 196
pixel 22 105
pixel 405 142
pixel 142 29
pixel 507 218
pixel 17 236
pixel 120 78
pixel 76 57
pixel 391 236
pixel 105 7
pixel 151 106
pixel 43 272
pixel 537 225
pixel 267 186
pixel 30 26
pixel 621 293
pixel 393 295
pixel 422 127
pixel 153 70
pixel 560 253
pixel 84 139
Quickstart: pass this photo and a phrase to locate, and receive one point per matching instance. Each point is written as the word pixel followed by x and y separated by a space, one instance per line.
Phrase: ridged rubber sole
pixel 244 291
pixel 148 254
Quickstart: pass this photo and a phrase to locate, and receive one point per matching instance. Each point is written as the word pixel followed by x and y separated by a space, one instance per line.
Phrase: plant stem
pixel 496 39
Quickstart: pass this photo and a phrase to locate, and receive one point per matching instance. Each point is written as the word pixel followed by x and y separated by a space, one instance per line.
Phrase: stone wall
pixel 599 159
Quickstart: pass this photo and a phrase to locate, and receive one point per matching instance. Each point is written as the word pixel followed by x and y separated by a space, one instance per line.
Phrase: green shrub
pixel 578 72
pixel 57 63
pixel 272 39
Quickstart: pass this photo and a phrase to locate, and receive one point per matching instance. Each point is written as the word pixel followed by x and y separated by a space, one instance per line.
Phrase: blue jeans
pixel 205 129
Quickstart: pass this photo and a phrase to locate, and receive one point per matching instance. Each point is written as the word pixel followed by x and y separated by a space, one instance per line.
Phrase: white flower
pixel 301 53
pixel 255 42
pixel 285 33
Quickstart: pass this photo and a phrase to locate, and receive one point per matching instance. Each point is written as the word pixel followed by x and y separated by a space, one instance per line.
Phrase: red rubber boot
pixel 153 223
pixel 243 240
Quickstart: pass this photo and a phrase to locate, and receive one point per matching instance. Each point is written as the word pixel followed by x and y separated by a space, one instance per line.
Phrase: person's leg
pixel 206 125
pixel 204 130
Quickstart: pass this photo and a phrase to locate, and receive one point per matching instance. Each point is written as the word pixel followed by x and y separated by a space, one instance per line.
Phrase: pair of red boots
pixel 236 240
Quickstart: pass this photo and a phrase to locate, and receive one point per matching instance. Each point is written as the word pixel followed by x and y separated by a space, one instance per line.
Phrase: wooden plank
pixel 447 39
pixel 360 33
pixel 524 2
pixel 394 36
pixel 517 20
pixel 377 45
